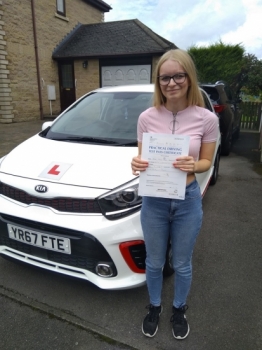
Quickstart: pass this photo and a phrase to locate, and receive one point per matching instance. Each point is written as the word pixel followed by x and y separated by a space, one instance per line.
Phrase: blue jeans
pixel 180 220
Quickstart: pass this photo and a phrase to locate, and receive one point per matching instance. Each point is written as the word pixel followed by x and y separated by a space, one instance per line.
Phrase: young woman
pixel 178 109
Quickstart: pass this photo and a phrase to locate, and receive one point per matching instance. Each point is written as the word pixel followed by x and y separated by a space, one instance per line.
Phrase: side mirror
pixel 46 125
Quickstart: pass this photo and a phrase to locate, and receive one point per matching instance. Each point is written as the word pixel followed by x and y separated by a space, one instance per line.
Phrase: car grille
pixel 86 250
pixel 63 204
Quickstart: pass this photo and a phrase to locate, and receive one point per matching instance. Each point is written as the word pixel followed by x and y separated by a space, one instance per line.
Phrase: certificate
pixel 161 178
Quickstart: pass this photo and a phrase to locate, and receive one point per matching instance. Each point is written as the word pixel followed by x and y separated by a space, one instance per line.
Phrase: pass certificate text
pixel 161 178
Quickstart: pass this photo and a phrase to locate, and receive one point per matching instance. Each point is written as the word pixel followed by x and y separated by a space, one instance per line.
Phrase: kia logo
pixel 41 188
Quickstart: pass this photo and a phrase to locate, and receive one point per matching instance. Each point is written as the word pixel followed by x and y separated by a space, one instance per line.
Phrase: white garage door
pixel 126 75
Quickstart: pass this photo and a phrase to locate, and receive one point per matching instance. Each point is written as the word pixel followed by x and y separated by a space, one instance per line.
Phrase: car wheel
pixel 216 168
pixel 168 267
pixel 227 144
pixel 237 133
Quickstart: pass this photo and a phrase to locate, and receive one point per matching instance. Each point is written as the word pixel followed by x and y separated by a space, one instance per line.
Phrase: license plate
pixel 38 239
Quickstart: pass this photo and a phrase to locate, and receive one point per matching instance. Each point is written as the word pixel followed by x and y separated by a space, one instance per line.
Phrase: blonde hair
pixel 194 96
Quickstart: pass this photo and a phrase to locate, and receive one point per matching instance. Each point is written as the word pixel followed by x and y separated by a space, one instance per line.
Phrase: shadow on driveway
pixel 247 146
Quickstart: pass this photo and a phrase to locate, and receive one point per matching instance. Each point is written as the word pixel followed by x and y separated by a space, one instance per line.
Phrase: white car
pixel 68 200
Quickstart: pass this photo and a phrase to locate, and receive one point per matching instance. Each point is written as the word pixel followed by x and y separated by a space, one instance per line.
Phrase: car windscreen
pixel 102 117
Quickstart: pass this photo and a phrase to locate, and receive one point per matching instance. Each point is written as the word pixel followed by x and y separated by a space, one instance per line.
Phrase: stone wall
pixel 87 79
pixel 19 93
pixel 154 64
pixel 6 107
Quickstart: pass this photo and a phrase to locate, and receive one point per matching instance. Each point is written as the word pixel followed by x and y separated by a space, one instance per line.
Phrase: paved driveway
pixel 225 301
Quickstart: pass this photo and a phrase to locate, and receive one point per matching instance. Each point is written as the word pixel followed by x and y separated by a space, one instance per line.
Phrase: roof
pixel 129 37
pixel 99 4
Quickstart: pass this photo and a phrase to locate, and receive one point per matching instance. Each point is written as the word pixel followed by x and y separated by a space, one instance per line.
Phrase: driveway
pixel 225 300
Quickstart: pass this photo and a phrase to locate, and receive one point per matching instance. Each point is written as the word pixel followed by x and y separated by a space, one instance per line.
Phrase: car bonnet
pixel 97 166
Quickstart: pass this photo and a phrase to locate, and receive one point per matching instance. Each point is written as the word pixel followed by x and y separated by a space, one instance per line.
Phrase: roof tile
pixel 129 37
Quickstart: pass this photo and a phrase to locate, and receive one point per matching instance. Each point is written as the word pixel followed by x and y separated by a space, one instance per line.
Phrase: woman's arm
pixel 137 163
pixel 188 164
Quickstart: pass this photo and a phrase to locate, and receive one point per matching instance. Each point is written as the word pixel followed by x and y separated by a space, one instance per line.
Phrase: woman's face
pixel 173 92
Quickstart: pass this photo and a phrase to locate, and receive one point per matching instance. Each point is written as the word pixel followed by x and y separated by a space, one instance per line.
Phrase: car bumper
pixel 94 240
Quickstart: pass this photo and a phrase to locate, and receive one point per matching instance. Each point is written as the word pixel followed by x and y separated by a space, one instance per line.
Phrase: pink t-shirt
pixel 197 122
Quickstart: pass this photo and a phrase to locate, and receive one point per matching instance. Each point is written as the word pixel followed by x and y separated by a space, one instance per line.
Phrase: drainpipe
pixel 37 60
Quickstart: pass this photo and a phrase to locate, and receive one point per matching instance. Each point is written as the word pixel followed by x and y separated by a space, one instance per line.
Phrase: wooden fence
pixel 251 116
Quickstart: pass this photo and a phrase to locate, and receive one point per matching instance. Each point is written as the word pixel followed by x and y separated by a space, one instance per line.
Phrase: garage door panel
pixel 144 76
pixel 126 75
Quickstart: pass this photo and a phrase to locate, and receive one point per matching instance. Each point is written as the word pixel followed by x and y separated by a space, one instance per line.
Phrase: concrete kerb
pixel 64 316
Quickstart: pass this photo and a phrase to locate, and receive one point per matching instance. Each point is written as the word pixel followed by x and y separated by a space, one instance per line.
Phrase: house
pixel 54 51
pixel 30 30
pixel 107 54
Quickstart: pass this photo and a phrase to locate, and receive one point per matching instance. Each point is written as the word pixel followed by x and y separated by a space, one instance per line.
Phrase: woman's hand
pixel 138 164
pixel 185 163
pixel 188 164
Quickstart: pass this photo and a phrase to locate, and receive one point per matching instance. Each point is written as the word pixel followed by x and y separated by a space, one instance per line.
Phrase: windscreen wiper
pixel 85 139
pixel 127 143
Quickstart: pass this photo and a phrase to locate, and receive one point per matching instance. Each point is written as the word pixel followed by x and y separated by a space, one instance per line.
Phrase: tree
pixel 250 77
pixel 219 62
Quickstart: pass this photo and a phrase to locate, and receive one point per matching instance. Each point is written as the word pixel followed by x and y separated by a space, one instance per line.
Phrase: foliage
pixel 242 71
pixel 245 97
pixel 218 62
pixel 250 76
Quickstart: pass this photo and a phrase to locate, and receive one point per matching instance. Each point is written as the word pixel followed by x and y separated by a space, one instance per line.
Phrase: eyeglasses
pixel 178 78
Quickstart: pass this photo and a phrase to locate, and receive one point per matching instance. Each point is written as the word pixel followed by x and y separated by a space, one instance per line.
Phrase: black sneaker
pixel 150 323
pixel 180 327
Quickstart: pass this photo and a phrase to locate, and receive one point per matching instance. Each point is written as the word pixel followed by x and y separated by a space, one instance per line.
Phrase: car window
pixel 105 115
pixel 212 93
pixel 81 114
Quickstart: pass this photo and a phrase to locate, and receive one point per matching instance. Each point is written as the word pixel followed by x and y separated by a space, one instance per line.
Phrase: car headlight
pixel 1 160
pixel 121 202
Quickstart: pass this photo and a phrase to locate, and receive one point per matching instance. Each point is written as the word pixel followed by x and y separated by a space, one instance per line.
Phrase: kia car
pixel 69 202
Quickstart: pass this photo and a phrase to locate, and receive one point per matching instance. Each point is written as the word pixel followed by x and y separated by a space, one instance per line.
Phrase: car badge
pixel 41 188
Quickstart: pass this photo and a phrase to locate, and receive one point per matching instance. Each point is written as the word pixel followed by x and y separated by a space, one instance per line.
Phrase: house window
pixel 60 7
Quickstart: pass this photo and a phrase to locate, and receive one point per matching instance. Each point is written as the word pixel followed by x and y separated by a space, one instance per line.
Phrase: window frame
pixel 59 3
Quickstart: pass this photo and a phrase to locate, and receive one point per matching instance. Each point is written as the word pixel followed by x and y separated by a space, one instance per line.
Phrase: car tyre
pixel 216 169
pixel 168 267
pixel 237 133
